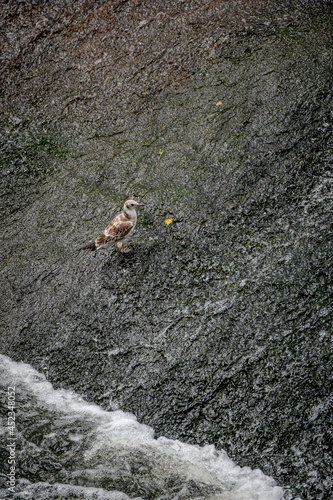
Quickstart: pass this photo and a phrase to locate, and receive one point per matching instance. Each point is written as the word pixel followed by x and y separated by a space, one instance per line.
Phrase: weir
pixel 216 329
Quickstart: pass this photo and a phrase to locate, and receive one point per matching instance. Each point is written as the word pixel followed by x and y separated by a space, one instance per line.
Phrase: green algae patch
pixel 28 159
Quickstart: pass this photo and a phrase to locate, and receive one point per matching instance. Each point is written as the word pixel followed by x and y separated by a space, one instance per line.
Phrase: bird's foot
pixel 121 245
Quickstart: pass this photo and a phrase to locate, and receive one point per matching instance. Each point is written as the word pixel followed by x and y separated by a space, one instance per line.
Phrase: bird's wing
pixel 118 228
pixel 102 239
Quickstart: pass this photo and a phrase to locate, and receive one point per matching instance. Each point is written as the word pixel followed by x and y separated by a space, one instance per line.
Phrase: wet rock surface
pixel 216 328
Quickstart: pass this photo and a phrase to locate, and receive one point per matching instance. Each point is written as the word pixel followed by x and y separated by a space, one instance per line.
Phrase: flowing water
pixel 63 447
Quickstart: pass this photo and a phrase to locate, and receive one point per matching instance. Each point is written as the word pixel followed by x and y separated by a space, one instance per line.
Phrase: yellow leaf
pixel 219 103
pixel 168 221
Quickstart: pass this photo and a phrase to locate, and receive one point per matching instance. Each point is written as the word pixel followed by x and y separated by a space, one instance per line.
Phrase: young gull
pixel 119 228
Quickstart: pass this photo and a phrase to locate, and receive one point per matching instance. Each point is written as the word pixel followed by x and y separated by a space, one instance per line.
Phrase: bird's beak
pixel 140 205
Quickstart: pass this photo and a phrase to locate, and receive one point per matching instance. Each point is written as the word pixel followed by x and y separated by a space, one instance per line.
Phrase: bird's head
pixel 131 204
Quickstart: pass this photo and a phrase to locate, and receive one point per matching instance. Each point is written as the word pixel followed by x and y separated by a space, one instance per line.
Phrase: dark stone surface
pixel 217 115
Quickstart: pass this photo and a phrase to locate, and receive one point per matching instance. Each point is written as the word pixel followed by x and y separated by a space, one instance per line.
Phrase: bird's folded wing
pixel 102 239
pixel 118 229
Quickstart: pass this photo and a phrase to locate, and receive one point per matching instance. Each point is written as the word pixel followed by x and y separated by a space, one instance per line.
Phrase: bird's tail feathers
pixel 91 247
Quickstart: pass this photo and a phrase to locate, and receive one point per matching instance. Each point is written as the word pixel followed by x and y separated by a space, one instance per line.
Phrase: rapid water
pixel 56 445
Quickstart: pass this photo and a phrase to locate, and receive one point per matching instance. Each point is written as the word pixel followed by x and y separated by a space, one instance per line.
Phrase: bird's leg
pixel 121 245
pixel 124 250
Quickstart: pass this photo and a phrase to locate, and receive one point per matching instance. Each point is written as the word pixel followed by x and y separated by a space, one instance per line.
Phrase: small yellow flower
pixel 219 103
pixel 168 221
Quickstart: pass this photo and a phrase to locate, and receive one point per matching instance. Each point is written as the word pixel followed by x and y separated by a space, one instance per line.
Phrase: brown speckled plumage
pixel 119 228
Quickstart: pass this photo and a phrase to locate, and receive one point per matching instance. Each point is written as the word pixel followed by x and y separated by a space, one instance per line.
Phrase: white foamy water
pixel 117 447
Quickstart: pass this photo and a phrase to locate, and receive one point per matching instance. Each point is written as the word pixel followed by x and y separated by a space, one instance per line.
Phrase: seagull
pixel 120 227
